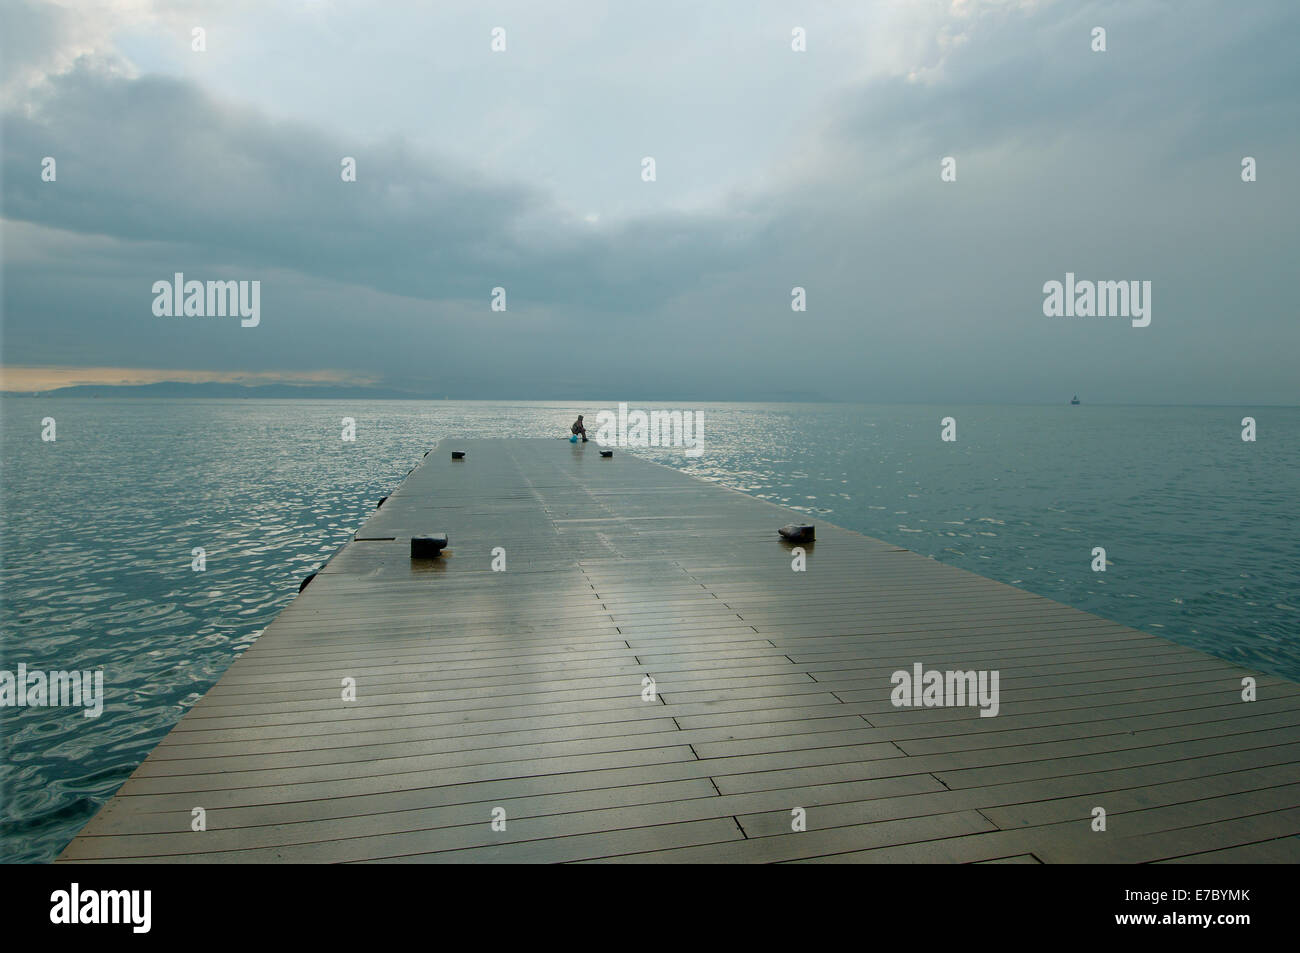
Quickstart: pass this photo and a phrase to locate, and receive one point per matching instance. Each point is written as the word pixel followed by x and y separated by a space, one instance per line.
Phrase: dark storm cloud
pixel 155 159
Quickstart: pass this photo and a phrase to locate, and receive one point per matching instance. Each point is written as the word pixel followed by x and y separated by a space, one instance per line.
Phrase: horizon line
pixel 59 392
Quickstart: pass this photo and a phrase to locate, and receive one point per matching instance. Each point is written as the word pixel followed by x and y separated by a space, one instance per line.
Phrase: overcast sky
pixel 775 168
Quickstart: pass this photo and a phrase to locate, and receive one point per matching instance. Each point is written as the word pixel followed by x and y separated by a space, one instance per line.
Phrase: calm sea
pixel 98 529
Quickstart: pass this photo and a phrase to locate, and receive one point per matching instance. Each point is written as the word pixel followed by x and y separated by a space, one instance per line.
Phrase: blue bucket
pixel 573 438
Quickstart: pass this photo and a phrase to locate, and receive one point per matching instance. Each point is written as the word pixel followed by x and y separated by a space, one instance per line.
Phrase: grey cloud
pixel 154 159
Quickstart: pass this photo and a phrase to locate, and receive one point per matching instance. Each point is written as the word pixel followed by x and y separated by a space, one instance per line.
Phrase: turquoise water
pixel 98 528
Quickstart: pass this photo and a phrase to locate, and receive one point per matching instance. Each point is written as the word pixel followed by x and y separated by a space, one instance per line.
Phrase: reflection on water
pixel 99 527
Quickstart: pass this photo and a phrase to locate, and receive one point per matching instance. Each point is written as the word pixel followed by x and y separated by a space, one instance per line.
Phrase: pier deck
pixel 523 690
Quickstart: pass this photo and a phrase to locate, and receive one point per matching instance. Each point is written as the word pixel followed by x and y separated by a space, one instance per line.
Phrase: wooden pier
pixel 522 694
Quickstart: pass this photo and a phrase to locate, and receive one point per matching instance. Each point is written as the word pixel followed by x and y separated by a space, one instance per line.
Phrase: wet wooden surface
pixel 522 694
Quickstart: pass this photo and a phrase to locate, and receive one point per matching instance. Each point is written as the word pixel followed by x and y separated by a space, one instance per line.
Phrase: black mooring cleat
pixel 797 533
pixel 428 547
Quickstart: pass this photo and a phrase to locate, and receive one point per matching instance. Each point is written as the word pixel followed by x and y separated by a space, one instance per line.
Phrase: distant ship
pixel 1075 400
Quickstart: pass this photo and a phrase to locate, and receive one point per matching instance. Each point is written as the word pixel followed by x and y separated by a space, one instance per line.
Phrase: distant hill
pixel 177 389
pixel 216 389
